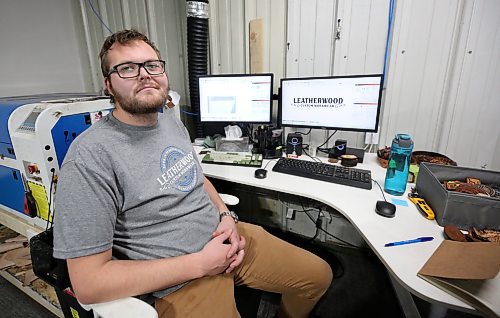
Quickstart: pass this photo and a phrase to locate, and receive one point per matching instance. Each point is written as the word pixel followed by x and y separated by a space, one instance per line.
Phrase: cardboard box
pixel 460 209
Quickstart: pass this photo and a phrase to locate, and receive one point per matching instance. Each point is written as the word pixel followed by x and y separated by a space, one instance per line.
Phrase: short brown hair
pixel 123 37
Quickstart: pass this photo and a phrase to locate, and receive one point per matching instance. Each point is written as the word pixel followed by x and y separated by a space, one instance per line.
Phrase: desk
pixel 357 205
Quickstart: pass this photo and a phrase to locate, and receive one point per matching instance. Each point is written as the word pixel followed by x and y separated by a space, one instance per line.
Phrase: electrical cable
pixel 326 232
pixel 304 210
pixel 188 113
pixel 389 29
pixel 323 150
pixel 380 189
pixel 303 134
pixel 318 225
pixel 327 139
pixel 316 159
pixel 50 202
pixel 98 16
pixel 269 163
pixel 250 133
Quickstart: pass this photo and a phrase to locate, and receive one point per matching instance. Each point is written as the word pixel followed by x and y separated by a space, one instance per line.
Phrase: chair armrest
pixel 229 199
pixel 128 307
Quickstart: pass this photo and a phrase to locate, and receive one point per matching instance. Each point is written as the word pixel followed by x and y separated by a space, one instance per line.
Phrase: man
pixel 127 228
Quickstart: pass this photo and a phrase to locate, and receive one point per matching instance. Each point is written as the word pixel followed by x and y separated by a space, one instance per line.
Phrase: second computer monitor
pixel 239 98
pixel 350 103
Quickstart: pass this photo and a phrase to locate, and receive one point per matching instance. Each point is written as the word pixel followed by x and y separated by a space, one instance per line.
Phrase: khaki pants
pixel 270 264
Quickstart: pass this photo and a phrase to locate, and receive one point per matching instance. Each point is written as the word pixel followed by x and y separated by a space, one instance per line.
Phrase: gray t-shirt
pixel 136 190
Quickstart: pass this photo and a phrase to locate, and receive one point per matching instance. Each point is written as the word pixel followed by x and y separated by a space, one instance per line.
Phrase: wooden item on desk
pixel 348 160
pixel 453 233
pixel 469 271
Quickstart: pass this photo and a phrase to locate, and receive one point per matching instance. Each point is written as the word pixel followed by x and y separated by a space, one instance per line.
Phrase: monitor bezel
pixel 239 75
pixel 379 106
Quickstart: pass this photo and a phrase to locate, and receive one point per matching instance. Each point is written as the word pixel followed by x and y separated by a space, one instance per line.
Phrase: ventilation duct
pixel 197 45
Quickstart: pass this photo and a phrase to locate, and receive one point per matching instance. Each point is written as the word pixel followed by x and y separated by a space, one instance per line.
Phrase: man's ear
pixel 107 86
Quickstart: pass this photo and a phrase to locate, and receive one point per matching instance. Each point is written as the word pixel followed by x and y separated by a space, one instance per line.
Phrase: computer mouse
pixel 260 173
pixel 385 208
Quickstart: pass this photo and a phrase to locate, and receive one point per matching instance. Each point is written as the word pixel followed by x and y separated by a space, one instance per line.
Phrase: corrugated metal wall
pixel 442 81
pixel 470 130
pixel 443 72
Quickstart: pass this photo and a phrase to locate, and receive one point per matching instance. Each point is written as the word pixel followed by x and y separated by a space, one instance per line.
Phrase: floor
pixel 14 303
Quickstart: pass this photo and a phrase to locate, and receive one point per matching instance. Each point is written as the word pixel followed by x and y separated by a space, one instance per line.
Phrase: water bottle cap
pixel 403 140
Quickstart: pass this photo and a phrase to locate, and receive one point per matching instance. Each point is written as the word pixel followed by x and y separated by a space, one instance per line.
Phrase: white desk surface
pixel 358 205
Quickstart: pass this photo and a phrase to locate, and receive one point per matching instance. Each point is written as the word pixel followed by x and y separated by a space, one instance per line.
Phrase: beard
pixel 148 104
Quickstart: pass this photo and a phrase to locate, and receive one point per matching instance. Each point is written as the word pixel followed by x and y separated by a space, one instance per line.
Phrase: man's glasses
pixel 132 69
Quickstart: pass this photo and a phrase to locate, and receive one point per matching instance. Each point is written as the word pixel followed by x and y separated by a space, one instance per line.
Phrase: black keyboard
pixel 352 177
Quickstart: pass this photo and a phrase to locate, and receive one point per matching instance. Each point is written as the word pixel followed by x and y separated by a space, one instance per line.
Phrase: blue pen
pixel 417 240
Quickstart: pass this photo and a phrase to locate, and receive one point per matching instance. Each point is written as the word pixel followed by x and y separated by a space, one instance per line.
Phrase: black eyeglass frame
pixel 114 69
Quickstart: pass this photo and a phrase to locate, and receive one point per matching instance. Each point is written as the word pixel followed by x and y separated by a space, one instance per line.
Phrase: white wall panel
pixel 229 36
pixel 310 38
pixel 443 79
pixel 361 46
pixel 472 131
pixel 321 45
pixel 41 51
pixel 227 46
pixel 424 33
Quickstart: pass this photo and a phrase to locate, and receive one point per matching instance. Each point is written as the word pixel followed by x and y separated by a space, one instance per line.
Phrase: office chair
pixel 127 307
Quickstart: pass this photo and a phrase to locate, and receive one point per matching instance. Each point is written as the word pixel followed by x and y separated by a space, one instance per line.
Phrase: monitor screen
pixel 349 103
pixel 244 98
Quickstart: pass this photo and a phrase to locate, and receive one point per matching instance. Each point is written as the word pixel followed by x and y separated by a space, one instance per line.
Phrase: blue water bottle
pixel 399 165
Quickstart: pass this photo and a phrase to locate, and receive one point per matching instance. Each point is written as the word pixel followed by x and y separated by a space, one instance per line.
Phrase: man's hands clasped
pixel 218 256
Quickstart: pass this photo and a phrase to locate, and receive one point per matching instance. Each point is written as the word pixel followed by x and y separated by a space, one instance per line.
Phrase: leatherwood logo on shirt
pixel 178 170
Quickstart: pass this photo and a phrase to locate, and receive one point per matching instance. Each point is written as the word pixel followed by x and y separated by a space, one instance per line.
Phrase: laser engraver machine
pixel 40 134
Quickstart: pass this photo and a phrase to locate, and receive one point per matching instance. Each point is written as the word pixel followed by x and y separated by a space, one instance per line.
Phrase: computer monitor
pixel 350 103
pixel 236 98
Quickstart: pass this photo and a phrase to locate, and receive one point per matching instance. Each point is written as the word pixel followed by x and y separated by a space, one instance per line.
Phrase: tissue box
pixel 232 145
pixel 460 209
